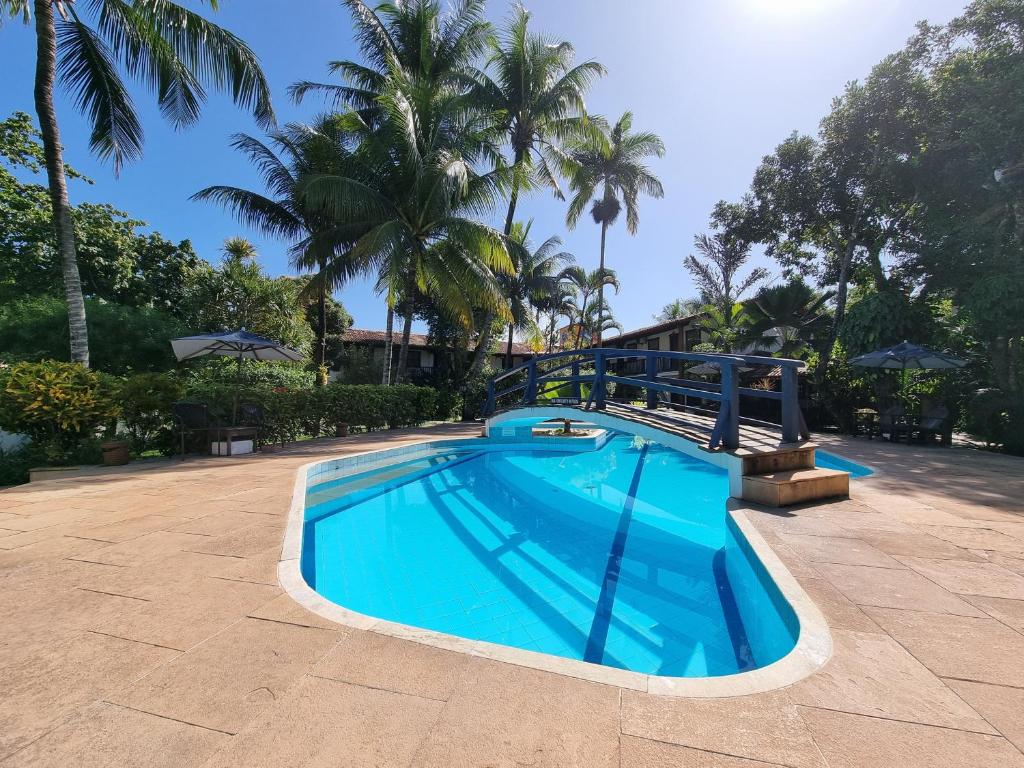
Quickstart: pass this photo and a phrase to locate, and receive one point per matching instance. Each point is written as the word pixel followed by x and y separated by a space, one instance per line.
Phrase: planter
pixel 115 453
pixel 341 430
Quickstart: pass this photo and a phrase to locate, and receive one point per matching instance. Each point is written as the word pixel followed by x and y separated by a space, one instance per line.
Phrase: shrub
pixel 56 403
pixel 146 400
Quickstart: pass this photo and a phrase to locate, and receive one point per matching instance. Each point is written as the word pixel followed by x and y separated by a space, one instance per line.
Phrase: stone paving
pixel 141 624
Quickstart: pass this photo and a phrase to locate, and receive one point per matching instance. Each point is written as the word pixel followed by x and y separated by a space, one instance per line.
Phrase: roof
pixel 650 330
pixel 363 336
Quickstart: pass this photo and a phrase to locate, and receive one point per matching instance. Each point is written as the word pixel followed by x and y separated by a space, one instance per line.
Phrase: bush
pixel 146 400
pixel 56 403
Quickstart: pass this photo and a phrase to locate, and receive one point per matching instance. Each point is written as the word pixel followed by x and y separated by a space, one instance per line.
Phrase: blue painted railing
pixel 598 367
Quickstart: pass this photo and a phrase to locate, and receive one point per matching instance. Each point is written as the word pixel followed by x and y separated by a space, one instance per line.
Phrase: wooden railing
pixel 591 370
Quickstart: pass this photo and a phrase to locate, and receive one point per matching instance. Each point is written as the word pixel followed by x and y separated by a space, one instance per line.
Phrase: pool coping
pixel 812 650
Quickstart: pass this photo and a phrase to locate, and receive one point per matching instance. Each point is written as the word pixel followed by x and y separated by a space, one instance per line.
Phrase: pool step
pixel 795 486
pixel 800 457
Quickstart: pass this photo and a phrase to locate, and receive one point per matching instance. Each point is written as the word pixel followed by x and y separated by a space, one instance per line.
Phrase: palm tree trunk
pixel 600 289
pixel 508 349
pixel 403 351
pixel 321 322
pixel 46 71
pixel 484 342
pixel 389 343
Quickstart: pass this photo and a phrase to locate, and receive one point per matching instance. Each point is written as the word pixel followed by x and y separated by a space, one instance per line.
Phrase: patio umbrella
pixel 904 356
pixel 239 344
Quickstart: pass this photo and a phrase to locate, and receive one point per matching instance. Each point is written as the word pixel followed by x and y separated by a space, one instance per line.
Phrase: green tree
pixel 786 319
pixel 537 93
pixel 295 154
pixel 171 49
pixel 678 309
pixel 534 279
pixel 117 262
pixel 586 305
pixel 716 269
pixel 239 294
pixel 607 165
pixel 125 339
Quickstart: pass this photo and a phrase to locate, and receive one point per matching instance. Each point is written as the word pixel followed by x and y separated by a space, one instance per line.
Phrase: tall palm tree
pixel 176 52
pixel 716 270
pixel 411 181
pixel 606 166
pixel 537 94
pixel 534 278
pixel 413 54
pixel 294 153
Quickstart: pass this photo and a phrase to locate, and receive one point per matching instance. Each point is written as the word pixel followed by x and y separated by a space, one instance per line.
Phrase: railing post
pixel 598 381
pixel 651 365
pixel 490 404
pixel 791 427
pixel 576 389
pixel 730 400
pixel 530 393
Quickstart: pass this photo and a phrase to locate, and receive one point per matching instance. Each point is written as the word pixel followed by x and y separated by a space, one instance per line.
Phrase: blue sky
pixel 721 81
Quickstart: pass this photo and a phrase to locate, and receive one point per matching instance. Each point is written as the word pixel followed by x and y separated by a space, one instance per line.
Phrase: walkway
pixel 142 625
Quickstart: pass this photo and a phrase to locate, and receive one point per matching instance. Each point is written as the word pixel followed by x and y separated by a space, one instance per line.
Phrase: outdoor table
pixel 865 421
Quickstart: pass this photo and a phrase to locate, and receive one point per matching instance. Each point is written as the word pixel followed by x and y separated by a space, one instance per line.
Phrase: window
pixel 414 358
pixel 654 343
pixel 692 338
pixel 631 345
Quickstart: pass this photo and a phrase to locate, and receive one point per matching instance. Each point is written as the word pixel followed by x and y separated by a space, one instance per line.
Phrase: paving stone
pixel 225 682
pixel 959 647
pixel 848 551
pixel 855 741
pixel 403 666
pixel 330 724
pixel 914 544
pixel 517 716
pixel 108 736
pixel 891 588
pixel 970 578
pixel 642 753
pixel 840 613
pixel 977 538
pixel 1000 705
pixel 763 727
pixel 1010 612
pixel 871 674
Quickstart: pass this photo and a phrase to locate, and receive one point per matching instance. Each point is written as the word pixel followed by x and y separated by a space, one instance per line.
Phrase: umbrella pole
pixel 238 385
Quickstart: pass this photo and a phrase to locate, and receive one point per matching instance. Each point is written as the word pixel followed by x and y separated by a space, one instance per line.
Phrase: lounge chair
pixel 191 419
pixel 892 423
pixel 934 422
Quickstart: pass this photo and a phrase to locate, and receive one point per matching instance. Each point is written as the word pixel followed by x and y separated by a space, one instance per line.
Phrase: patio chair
pixel 935 422
pixel 892 421
pixel 191 419
pixel 253 415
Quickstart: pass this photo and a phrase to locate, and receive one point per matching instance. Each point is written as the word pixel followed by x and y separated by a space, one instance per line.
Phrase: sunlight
pixel 788 8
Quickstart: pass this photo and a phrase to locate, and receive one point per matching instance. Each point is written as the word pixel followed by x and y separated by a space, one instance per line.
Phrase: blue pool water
pixel 826 460
pixel 621 556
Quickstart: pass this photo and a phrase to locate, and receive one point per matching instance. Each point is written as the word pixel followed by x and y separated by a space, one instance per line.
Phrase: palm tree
pixel 588 305
pixel 411 182
pixel 533 280
pixel 418 68
pixel 173 50
pixel 538 95
pixel 317 240
pixel 606 166
pixel 239 249
pixel 677 309
pixel 787 319
pixel 714 271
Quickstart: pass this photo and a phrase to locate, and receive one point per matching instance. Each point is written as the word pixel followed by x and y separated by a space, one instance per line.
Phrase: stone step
pixel 779 461
pixel 795 486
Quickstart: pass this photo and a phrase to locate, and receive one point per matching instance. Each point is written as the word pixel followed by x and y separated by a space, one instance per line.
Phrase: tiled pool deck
pixel 141 624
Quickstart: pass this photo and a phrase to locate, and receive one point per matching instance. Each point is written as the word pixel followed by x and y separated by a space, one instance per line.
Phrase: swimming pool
pixel 623 556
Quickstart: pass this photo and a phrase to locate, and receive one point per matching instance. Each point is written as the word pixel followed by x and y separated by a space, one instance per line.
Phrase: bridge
pixel 760 429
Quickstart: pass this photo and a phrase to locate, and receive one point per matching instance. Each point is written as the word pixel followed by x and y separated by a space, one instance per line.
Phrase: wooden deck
pixel 697 427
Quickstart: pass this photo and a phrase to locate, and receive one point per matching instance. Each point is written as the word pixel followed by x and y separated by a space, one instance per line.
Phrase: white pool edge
pixel 812 650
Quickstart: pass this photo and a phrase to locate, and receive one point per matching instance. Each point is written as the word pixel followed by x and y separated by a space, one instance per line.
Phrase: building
pixel 421 352
pixel 680 335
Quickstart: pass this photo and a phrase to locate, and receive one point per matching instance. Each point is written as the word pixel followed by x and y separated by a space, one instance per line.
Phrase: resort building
pixel 421 351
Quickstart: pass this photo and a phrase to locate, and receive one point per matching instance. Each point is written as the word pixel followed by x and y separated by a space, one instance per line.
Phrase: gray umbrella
pixel 239 344
pixel 907 355
pixel 904 356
